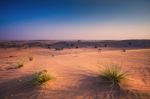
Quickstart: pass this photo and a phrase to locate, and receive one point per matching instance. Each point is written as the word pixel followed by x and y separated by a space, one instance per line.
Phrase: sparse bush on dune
pixel 99 50
pixel 123 50
pixel 30 58
pixel 20 64
pixel 114 74
pixel 41 77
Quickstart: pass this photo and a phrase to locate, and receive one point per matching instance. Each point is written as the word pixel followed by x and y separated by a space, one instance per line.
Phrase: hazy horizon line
pixel 75 40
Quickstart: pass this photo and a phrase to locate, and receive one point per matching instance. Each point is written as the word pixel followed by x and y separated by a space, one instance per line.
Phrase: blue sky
pixel 74 19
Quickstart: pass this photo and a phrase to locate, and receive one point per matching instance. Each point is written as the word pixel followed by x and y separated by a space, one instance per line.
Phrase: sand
pixel 76 73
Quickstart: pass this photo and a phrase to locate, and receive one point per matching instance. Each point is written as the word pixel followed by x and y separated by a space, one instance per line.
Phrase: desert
pixel 74 49
pixel 76 72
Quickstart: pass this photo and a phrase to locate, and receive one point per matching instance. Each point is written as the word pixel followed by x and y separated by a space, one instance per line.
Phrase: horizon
pixel 74 20
pixel 80 40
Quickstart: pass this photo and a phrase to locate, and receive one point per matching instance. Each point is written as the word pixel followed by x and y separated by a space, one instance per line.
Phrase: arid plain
pixel 75 71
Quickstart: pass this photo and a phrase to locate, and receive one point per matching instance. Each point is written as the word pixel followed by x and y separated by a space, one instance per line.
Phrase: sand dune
pixel 75 72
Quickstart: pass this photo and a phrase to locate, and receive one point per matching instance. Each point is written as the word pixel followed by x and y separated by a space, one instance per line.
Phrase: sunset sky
pixel 74 19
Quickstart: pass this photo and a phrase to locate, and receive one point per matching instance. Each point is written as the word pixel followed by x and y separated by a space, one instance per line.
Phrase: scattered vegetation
pixel 30 58
pixel 77 46
pixel 129 43
pixel 114 74
pixel 123 50
pixel 105 45
pixel 49 46
pixel 95 47
pixel 41 77
pixel 99 50
pixel 57 49
pixel 20 64
pixel 71 45
pixel 79 41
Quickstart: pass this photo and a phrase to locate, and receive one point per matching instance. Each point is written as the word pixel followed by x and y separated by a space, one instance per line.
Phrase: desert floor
pixel 76 73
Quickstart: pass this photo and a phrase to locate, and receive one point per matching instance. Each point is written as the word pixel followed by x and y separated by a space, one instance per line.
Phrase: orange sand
pixel 76 74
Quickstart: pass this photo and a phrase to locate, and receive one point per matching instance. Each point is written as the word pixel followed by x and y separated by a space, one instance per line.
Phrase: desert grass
pixel 20 64
pixel 114 74
pixel 30 58
pixel 99 50
pixel 123 50
pixel 41 77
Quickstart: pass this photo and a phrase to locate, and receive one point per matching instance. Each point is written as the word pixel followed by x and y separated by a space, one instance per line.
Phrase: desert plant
pixel 20 64
pixel 41 77
pixel 30 58
pixel 77 46
pixel 71 45
pixel 114 74
pixel 99 50
pixel 129 43
pixel 95 47
pixel 49 46
pixel 123 50
pixel 58 49
pixel 105 45
pixel 79 41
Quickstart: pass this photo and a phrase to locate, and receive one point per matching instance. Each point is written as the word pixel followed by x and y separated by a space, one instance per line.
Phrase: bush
pixel 95 47
pixel 113 74
pixel 105 45
pixel 77 46
pixel 20 64
pixel 99 50
pixel 41 77
pixel 123 50
pixel 30 58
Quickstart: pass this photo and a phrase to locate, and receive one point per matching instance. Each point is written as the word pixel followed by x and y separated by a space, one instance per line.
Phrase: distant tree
pixel 79 41
pixel 105 45
pixel 71 45
pixel 95 46
pixel 49 46
pixel 77 47
pixel 129 43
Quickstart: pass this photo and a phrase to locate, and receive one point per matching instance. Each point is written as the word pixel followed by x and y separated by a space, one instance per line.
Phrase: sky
pixel 74 19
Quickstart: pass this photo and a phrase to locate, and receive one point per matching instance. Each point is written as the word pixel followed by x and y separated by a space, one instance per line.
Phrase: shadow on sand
pixel 90 86
pixel 18 88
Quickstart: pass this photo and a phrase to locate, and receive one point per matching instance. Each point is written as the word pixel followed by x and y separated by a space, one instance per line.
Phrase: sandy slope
pixel 75 72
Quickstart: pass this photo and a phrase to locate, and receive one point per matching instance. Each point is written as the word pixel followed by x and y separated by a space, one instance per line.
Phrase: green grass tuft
pixel 114 74
pixel 41 77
